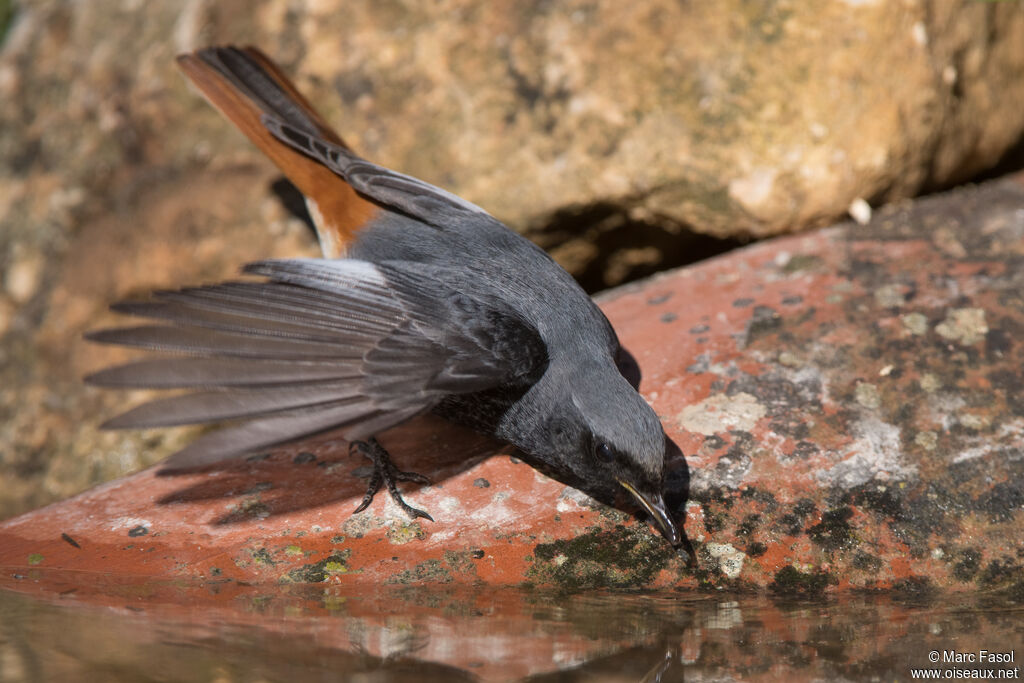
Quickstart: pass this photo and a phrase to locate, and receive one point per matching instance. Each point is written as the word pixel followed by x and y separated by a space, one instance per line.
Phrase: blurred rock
pixel 606 131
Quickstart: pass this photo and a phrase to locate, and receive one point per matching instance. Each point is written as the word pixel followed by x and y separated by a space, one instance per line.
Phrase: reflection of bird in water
pixel 657 674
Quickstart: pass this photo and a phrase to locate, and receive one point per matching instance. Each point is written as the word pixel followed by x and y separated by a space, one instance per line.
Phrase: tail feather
pixel 244 84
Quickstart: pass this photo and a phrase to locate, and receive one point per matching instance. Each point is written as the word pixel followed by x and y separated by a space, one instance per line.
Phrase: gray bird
pixel 427 304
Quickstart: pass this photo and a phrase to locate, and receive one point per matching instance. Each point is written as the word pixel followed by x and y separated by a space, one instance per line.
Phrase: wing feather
pixel 182 373
pixel 318 345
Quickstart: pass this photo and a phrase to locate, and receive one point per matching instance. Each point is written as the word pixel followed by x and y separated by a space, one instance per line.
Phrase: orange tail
pixel 243 84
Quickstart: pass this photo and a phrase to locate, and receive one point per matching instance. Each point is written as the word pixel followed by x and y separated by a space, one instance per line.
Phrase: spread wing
pixel 319 345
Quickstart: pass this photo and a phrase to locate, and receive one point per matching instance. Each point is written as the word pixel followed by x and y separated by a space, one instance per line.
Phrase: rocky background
pixel 624 137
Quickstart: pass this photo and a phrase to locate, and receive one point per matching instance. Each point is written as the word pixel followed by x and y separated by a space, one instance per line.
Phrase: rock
pixel 22 279
pixel 718 117
pixel 852 451
pixel 623 126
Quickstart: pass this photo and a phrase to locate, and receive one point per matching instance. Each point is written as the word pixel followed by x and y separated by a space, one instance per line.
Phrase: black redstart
pixel 423 302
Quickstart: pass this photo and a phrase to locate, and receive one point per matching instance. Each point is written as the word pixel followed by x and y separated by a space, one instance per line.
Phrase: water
pixel 228 632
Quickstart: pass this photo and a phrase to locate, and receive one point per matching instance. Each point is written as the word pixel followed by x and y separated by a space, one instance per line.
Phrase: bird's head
pixel 608 440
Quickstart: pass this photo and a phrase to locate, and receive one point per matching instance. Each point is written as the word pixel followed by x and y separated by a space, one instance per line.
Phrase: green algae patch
pixel 428 571
pixel 318 572
pixel 801 262
pixel 400 534
pixel 620 557
pixel 262 556
pixel 791 581
pixel 461 562
pixel 35 558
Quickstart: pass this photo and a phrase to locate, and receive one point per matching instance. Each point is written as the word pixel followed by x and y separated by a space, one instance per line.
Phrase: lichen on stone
pixel 620 557
pixel 401 533
pixel 791 581
pixel 318 572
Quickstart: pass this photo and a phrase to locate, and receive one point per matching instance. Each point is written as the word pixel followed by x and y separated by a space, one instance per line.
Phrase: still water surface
pixel 302 633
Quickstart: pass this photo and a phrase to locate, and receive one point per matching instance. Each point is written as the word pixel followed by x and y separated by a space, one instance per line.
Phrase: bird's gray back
pixel 497 264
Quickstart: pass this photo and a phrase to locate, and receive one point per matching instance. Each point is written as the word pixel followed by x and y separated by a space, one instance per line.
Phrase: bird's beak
pixel 658 511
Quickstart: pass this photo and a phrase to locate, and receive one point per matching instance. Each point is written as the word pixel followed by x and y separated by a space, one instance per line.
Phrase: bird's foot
pixel 386 474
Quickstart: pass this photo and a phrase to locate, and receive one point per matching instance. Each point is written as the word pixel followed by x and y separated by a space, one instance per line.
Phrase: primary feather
pixel 318 345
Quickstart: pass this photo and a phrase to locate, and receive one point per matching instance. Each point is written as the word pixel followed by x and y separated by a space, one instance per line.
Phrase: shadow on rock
pixel 320 471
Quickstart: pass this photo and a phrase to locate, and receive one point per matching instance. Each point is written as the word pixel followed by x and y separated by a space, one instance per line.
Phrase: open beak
pixel 659 513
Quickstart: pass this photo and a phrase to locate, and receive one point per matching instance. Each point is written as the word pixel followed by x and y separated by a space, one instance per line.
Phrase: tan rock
pixel 727 118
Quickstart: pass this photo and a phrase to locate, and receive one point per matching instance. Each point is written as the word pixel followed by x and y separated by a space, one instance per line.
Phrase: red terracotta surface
pixel 849 403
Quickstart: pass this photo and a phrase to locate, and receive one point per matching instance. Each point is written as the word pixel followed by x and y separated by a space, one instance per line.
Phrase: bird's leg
pixel 385 473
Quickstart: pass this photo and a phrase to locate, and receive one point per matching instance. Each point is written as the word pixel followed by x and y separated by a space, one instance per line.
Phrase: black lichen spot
pixel 477 554
pixel 761 496
pixel 882 500
pixel 791 581
pixel 916 588
pixel 792 523
pixel 805 449
pixel 756 549
pixel 699 329
pixel 743 302
pixel 968 565
pixel 303 458
pixel 660 299
pixel 866 562
pixel 668 317
pixel 259 457
pixel 997 342
pixel 714 504
pixel 834 531
pixel 765 320
pixel 748 525
pixel 622 557
pixel 318 572
pixel 481 483
pixel 1000 572
pixel 714 442
pixel 792 300
pixel 137 531
pixel 1002 501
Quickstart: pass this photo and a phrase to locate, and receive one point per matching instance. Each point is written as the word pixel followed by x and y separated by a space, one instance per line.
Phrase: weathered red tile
pixel 850 404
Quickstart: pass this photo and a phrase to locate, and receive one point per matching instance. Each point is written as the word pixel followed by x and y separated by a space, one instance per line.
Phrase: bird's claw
pixel 386 474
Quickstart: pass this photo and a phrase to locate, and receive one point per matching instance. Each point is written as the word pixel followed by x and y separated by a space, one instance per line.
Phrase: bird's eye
pixel 604 451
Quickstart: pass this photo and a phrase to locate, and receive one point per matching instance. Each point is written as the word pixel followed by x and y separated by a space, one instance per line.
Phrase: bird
pixel 422 302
